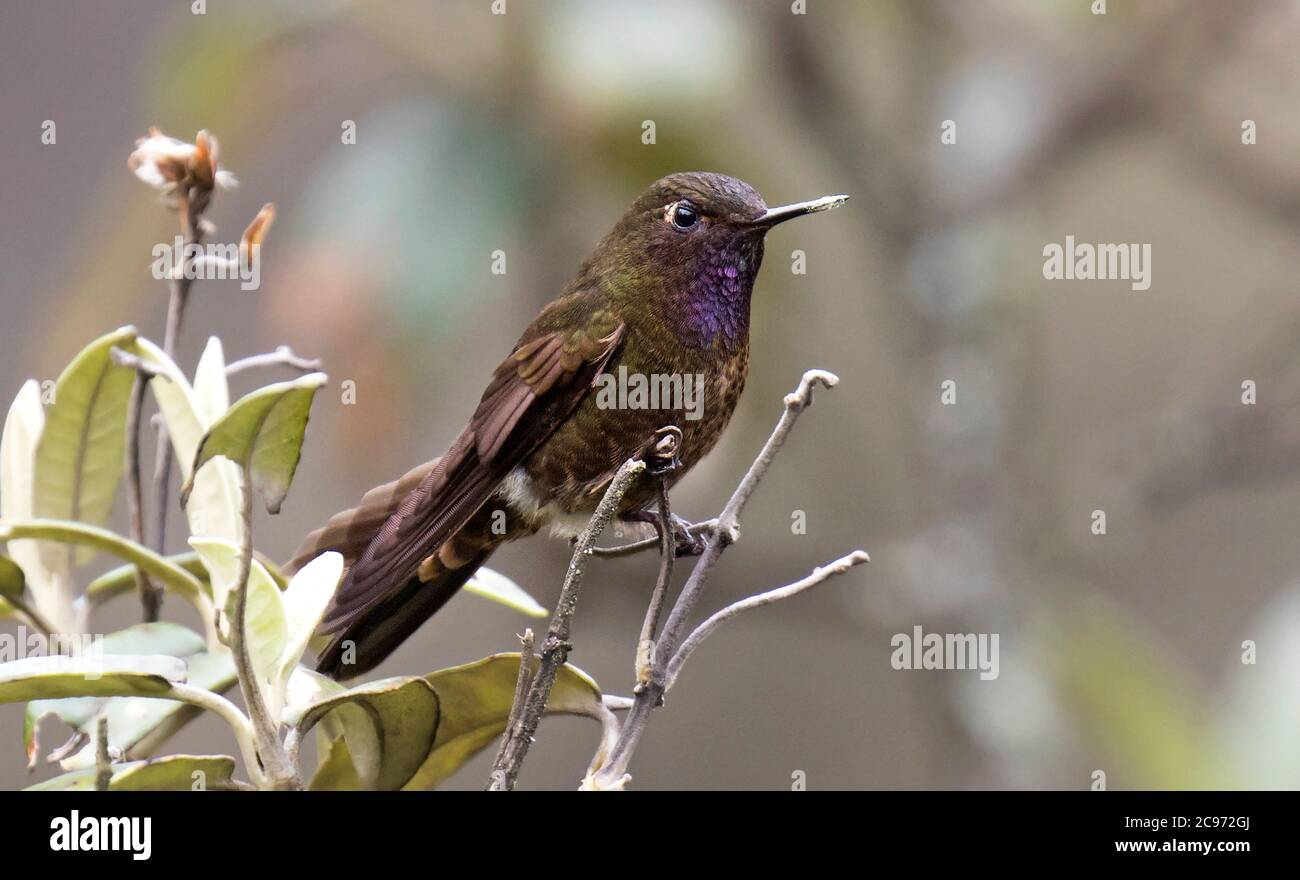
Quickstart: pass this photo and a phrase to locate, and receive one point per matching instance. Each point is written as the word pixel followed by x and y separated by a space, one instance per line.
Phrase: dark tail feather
pixel 379 630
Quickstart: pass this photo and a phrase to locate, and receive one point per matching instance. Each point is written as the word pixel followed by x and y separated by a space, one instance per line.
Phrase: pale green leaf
pixel 265 626
pixel 263 432
pixel 476 700
pixel 474 704
pixel 493 585
pixel 169 574
pixel 172 773
pixel 213 505
pixel 176 401
pixel 213 508
pixel 13 583
pixel 336 772
pixel 52 587
pixel 389 727
pixel 126 715
pixel 305 600
pixel 307 686
pixel 81 452
pixel 121 580
pixel 139 725
pixel 89 675
pixel 210 385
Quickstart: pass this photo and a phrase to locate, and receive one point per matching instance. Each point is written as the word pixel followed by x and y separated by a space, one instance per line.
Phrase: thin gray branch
pixel 693 530
pixel 645 646
pixel 103 763
pixel 555 650
pixel 141 366
pixel 613 774
pixel 705 629
pixel 279 771
pixel 527 668
pixel 193 201
pixel 728 529
pixel 281 357
pixel 150 593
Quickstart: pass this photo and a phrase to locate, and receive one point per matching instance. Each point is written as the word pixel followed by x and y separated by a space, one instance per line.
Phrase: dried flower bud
pixel 261 224
pixel 171 165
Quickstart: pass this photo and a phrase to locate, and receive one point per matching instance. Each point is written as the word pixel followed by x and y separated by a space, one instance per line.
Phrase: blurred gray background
pixel 523 133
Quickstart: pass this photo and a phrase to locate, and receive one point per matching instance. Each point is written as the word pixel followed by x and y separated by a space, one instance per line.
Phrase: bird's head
pixel 693 236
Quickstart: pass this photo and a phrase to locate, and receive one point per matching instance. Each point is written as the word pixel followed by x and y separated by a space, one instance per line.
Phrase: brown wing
pixel 349 532
pixel 535 389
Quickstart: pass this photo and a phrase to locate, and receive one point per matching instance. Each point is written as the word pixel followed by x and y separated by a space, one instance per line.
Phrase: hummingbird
pixel 665 294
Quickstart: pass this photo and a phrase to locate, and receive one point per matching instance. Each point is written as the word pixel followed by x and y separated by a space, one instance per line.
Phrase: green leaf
pixel 215 507
pixel 139 726
pixel 81 452
pixel 51 587
pixel 89 675
pixel 128 719
pixel 13 583
pixel 22 434
pixel 305 601
pixel 336 772
pixel 172 773
pixel 263 432
pixel 210 386
pixel 493 585
pixel 120 580
pixel 389 727
pixel 265 626
pixel 169 574
pixel 214 504
pixel 474 703
pixel 476 700
pixel 176 401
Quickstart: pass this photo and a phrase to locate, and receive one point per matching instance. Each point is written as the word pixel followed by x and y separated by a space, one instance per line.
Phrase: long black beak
pixel 799 209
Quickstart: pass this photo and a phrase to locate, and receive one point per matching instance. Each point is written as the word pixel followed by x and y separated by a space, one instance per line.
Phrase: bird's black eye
pixel 684 216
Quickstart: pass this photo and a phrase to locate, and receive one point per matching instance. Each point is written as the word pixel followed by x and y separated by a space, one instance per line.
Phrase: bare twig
pixel 228 712
pixel 280 773
pixel 192 202
pixel 728 529
pixel 645 646
pixel 613 774
pixel 141 366
pixel 282 356
pixel 103 763
pixel 694 530
pixel 527 667
pixel 150 593
pixel 705 629
pixel 555 650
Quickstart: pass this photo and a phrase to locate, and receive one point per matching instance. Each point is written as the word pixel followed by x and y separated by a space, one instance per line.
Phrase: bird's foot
pixel 686 540
pixel 663 454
